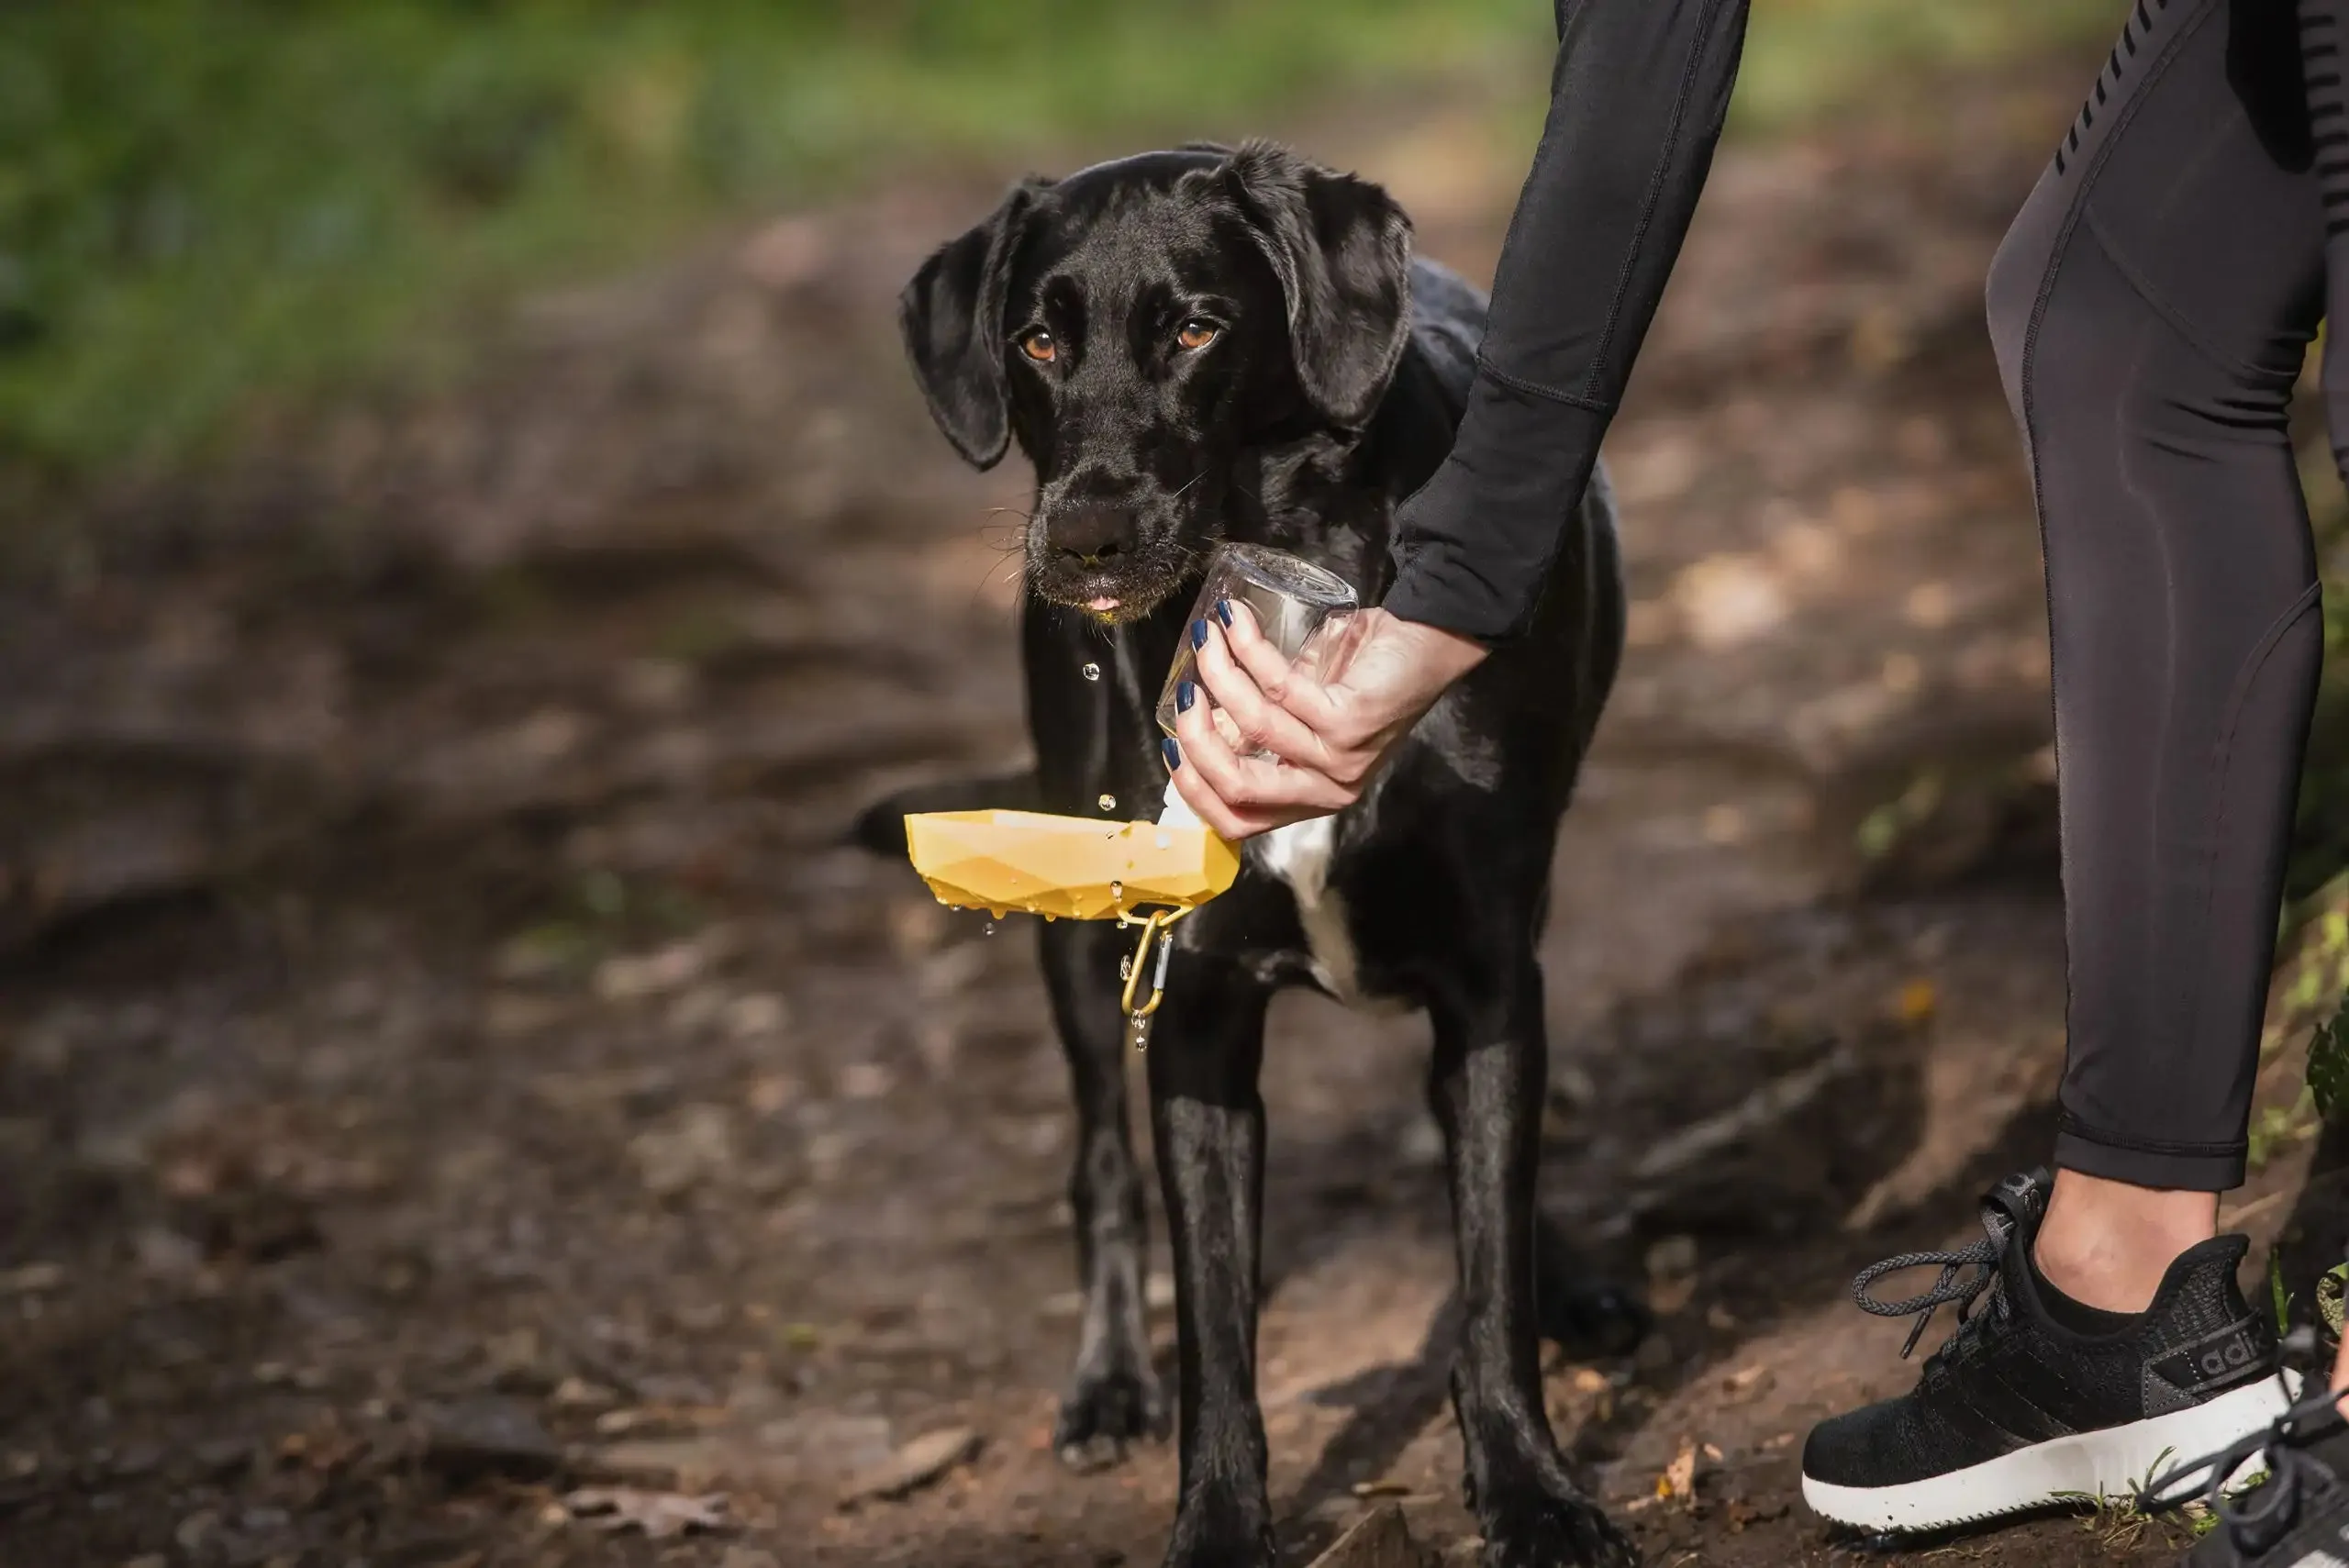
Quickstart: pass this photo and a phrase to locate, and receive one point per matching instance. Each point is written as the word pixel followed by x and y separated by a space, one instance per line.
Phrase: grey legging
pixel 2150 309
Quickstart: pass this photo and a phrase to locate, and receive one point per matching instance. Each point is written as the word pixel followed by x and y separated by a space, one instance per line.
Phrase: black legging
pixel 2151 307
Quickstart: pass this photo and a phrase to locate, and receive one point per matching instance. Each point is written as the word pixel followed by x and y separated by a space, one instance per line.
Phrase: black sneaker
pixel 2297 1514
pixel 2036 1400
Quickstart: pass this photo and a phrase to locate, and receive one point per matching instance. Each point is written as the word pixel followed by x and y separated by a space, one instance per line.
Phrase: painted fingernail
pixel 1185 694
pixel 1199 633
pixel 1172 752
pixel 1223 611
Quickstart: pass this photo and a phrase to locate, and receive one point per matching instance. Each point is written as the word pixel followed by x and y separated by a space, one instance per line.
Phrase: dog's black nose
pixel 1092 534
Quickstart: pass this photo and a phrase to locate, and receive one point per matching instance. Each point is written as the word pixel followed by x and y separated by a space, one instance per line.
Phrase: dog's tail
pixel 881 826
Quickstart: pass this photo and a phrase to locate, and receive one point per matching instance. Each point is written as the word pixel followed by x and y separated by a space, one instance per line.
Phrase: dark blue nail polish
pixel 1172 752
pixel 1185 694
pixel 1198 634
pixel 1223 611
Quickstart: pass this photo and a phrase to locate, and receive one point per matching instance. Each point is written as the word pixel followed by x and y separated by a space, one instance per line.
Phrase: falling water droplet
pixel 1109 803
pixel 990 928
pixel 1118 890
pixel 1126 967
pixel 1141 1031
pixel 1091 672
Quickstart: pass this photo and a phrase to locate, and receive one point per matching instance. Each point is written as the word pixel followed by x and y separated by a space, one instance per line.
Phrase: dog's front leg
pixel 1486 1086
pixel 1209 1120
pixel 1113 1396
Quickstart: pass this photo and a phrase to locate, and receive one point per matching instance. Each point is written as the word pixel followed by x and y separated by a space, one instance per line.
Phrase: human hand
pixel 1325 740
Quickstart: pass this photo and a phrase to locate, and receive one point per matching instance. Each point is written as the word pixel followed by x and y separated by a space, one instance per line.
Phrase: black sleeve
pixel 1637 98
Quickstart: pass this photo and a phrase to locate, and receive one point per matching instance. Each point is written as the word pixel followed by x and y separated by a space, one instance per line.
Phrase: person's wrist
pixel 1449 653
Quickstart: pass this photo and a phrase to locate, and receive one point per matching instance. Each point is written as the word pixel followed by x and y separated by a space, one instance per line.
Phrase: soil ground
pixel 451 1060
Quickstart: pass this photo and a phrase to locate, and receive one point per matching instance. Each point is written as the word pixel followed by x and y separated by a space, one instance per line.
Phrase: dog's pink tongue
pixel 1102 606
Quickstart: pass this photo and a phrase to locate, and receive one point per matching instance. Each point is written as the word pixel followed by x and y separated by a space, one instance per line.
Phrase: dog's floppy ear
pixel 1342 249
pixel 952 316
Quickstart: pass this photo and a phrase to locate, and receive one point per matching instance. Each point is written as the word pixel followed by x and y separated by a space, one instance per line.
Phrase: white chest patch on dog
pixel 1299 854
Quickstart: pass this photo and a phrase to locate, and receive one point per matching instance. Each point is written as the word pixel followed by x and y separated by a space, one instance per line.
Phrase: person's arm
pixel 1637 98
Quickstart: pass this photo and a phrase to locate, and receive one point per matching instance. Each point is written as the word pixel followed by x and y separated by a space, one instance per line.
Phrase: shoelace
pixel 2258 1518
pixel 1982 1257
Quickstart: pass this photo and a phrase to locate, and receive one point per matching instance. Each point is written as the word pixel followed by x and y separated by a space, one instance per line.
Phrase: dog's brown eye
pixel 1196 334
pixel 1038 346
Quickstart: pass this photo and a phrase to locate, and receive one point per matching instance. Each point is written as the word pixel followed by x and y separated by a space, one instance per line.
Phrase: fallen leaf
pixel 1679 1477
pixel 641 1417
pixel 1384 1487
pixel 915 1466
pixel 659 1515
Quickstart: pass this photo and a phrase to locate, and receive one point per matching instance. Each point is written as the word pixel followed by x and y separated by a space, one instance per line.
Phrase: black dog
pixel 1207 345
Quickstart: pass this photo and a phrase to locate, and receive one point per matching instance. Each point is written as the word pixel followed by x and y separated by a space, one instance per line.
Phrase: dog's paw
pixel 1537 1528
pixel 1221 1534
pixel 1103 1413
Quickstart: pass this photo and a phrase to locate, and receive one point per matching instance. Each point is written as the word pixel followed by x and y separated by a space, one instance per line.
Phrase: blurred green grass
pixel 205 204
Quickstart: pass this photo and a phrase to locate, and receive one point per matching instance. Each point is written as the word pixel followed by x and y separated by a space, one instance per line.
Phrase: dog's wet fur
pixel 1214 344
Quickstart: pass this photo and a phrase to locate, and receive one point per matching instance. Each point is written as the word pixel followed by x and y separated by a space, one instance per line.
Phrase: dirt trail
pixel 448 1059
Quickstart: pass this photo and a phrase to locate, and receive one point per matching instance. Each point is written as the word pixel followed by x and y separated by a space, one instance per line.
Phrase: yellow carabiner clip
pixel 1155 928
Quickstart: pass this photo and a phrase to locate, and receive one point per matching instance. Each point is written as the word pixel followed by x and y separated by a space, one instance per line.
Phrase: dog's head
pixel 1139 326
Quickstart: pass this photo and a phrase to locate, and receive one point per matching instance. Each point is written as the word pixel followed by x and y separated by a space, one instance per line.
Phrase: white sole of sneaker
pixel 2114 1462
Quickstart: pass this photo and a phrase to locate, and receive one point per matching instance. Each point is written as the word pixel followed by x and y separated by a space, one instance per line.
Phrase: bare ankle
pixel 2107 1244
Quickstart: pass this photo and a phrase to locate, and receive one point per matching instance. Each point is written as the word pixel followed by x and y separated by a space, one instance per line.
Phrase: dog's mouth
pixel 1111 595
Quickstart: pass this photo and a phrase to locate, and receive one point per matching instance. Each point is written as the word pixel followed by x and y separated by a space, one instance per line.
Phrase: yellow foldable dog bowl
pixel 1066 867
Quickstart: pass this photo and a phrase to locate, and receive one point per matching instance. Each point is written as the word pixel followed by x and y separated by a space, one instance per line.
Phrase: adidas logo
pixel 2233 1356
